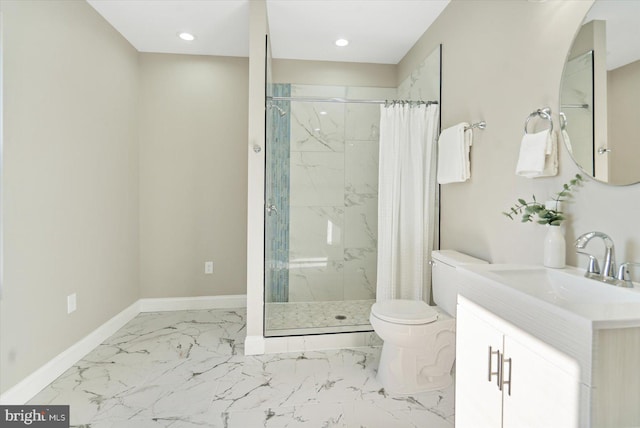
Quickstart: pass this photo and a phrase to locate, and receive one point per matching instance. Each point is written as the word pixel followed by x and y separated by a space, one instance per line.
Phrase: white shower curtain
pixel 406 200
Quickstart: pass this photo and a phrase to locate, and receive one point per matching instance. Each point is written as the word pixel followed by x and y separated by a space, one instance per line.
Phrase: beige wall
pixel 193 174
pixel 70 172
pixel 502 61
pixel 334 73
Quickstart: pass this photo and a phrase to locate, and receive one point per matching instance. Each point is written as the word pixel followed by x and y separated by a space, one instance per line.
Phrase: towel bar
pixel 479 125
pixel 544 113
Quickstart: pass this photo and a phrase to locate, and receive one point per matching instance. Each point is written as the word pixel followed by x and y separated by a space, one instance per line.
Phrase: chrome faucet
pixel 608 274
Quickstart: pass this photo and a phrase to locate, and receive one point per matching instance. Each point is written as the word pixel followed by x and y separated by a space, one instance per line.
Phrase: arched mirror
pixel 599 95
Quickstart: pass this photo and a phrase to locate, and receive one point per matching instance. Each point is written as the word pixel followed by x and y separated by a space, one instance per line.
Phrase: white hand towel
pixel 551 158
pixel 538 155
pixel 453 154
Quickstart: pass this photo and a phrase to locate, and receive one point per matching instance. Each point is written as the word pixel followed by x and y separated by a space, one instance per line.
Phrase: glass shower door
pixel 320 210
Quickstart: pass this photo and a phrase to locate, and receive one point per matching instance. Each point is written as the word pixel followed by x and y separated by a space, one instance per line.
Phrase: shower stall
pixel 321 204
pixel 321 196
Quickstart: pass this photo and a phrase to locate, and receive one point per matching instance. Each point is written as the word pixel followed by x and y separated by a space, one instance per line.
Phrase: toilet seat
pixel 409 312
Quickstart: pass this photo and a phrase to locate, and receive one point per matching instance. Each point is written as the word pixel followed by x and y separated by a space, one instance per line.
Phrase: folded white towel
pixel 538 155
pixel 453 154
pixel 551 158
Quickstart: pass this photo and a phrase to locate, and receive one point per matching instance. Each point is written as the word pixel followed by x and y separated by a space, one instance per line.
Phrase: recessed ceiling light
pixel 323 113
pixel 342 42
pixel 186 36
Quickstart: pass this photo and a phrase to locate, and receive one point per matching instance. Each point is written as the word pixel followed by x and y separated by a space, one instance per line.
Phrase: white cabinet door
pixel 540 389
pixel 478 400
pixel 542 394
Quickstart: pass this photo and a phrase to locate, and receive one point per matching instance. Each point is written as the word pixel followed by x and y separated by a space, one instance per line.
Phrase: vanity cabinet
pixel 507 378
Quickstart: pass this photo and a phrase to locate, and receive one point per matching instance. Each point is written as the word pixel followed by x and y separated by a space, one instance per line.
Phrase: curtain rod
pixel 345 100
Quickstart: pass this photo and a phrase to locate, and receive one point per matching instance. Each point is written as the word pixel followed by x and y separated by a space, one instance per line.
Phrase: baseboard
pixel 192 303
pixel 50 371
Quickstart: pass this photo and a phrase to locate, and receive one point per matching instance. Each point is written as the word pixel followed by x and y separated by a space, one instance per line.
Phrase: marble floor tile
pixel 187 369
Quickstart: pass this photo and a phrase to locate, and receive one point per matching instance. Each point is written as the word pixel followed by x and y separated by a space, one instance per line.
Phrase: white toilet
pixel 419 340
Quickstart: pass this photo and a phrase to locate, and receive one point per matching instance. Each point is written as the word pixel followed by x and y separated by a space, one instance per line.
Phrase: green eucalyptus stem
pixel 531 209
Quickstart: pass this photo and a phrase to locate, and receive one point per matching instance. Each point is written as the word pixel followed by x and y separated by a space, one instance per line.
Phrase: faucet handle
pixel 624 275
pixel 594 268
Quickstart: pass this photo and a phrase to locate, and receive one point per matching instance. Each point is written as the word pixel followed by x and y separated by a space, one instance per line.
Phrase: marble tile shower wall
pixel 424 82
pixel 334 194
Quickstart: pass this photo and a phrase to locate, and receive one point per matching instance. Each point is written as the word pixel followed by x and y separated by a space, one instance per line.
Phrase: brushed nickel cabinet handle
pixel 497 372
pixel 507 382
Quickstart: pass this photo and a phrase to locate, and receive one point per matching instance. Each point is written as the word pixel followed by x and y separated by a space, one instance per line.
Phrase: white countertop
pixel 565 292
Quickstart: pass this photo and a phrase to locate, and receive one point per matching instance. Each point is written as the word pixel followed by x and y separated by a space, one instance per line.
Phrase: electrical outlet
pixel 71 303
pixel 208 267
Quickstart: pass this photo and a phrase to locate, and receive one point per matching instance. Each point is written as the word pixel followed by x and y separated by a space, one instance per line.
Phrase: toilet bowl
pixel 418 348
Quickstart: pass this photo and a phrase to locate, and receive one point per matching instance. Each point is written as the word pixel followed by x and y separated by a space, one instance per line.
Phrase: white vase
pixel 554 247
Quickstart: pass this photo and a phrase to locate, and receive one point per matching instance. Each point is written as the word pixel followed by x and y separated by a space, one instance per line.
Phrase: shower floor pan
pixel 301 318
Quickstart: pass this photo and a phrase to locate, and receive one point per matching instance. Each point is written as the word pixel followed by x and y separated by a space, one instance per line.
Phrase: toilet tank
pixel 445 277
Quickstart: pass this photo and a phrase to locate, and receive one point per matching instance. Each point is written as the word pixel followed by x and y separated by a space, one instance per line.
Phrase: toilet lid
pixel 404 311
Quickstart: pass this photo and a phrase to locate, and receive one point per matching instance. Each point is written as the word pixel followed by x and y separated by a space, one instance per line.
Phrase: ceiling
pixel 379 31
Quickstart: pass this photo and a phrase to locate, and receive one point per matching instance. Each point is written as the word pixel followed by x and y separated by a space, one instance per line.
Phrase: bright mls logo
pixel 34 416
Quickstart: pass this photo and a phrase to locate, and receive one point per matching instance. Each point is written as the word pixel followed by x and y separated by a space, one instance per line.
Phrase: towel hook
pixel 544 113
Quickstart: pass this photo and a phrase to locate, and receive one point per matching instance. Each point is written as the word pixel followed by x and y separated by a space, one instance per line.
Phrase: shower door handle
pixel 272 209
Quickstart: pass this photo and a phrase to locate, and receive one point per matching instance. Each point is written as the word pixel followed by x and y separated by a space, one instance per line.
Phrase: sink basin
pixel 563 292
pixel 564 287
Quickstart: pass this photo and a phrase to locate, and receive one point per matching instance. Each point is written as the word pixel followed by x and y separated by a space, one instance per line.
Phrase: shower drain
pixel 341 317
